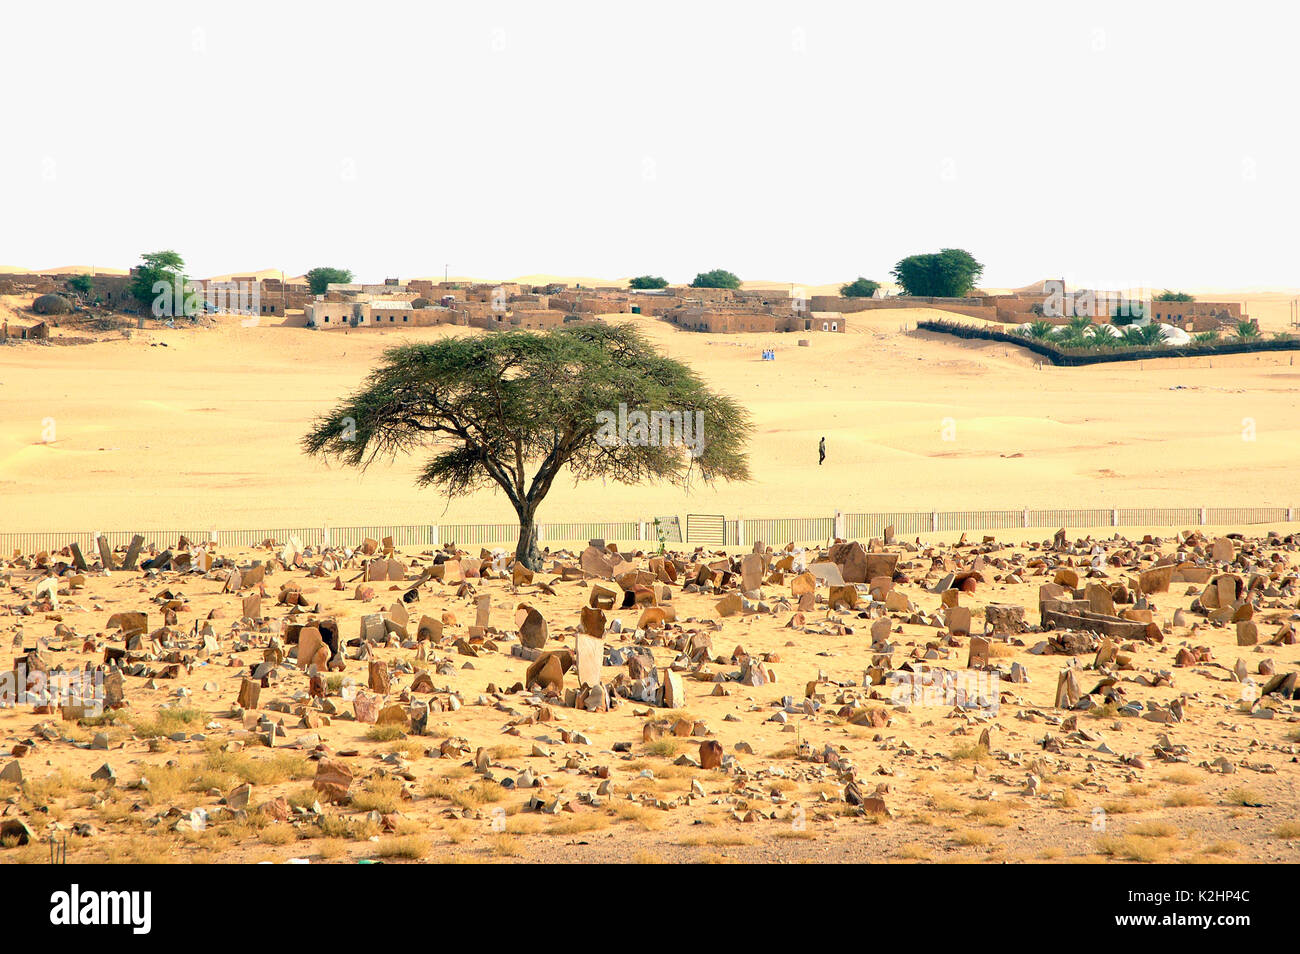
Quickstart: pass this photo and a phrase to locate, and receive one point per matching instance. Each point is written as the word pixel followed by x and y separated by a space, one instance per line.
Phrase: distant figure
pixel 821 452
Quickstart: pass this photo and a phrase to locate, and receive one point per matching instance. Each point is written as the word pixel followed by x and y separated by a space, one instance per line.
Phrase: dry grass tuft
pixel 1137 848
pixel 411 847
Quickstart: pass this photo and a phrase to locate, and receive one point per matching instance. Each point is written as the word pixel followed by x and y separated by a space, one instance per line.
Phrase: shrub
pixel 51 305
pixel 1104 348
pixel 860 288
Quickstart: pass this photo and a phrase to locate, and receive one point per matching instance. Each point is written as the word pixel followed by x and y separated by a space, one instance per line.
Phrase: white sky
pixel 1111 143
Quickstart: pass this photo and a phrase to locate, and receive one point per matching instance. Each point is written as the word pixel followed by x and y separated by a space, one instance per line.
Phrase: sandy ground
pixel 185 427
pixel 1101 791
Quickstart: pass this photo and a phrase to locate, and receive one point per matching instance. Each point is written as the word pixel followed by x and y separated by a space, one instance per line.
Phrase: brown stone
pixel 333 780
pixel 379 680
pixel 250 691
pixel 710 754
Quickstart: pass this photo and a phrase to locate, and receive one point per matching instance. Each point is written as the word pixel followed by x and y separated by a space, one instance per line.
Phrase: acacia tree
pixel 860 288
pixel 648 281
pixel 716 278
pixel 322 276
pixel 948 273
pixel 490 409
pixel 167 267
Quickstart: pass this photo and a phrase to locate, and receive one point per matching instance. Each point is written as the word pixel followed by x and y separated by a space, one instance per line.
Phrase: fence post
pixel 934 521
pixel 325 534
pixel 641 531
pixel 1288 514
pixel 433 534
pixel 1202 516
pixel 1026 518
pixel 839 526
pixel 1114 516
pixel 740 530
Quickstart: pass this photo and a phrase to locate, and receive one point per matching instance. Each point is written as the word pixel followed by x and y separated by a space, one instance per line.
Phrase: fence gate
pixel 669 528
pixel 706 528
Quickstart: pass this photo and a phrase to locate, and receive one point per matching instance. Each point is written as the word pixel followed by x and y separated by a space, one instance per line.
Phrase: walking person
pixel 821 452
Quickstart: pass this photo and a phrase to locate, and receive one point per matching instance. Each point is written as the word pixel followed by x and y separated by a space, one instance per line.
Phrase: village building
pixel 1028 306
pixel 22 331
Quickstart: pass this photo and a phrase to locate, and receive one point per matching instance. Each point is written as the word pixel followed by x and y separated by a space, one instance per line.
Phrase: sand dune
pixel 63 270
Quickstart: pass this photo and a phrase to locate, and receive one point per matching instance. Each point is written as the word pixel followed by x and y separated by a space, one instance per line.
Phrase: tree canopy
pixel 168 267
pixel 717 278
pixel 860 288
pixel 489 409
pixel 648 281
pixel 949 273
pixel 81 285
pixel 322 276
pixel 1168 295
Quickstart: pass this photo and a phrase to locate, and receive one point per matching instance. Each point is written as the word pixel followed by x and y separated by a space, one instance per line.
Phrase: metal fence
pixel 786 529
pixel 701 529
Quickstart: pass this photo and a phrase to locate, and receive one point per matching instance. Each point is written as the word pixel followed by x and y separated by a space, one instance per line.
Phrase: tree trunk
pixel 526 551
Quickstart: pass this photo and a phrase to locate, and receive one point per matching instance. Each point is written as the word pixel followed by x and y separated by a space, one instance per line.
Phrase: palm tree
pixel 1039 330
pixel 1247 329
pixel 1206 337
pixel 1079 325
pixel 1131 335
pixel 1142 336
pixel 1151 334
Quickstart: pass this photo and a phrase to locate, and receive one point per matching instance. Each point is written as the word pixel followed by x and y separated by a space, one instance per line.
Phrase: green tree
pixel 859 288
pixel 1102 338
pixel 322 276
pixel 168 268
pixel 1142 335
pixel 489 409
pixel 1168 295
pixel 648 281
pixel 1246 329
pixel 949 273
pixel 1039 330
pixel 83 286
pixel 717 278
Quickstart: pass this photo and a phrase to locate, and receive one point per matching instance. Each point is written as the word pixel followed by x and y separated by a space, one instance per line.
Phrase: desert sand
pixel 200 428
